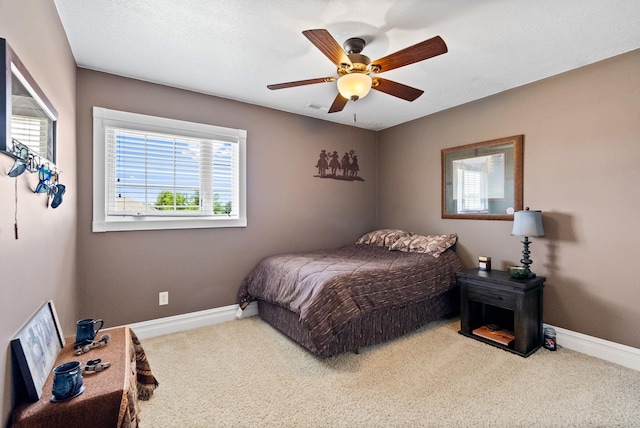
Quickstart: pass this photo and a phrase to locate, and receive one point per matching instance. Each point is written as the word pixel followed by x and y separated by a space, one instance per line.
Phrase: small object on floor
pixel 550 338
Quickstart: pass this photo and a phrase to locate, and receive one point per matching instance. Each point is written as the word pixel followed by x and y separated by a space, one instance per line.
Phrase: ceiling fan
pixel 355 70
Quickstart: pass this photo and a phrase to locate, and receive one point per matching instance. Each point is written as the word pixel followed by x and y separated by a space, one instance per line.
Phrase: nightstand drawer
pixel 491 296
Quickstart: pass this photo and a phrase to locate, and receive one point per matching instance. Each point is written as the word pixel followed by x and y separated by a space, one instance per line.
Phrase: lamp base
pixel 526 261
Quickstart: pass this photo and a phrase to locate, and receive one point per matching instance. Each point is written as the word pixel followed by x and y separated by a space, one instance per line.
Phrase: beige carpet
pixel 246 374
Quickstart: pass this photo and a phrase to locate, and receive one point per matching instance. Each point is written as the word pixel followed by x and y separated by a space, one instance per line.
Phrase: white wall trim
pixel 189 321
pixel 609 351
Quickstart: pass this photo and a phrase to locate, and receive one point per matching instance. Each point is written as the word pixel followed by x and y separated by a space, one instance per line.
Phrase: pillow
pixel 431 244
pixel 382 237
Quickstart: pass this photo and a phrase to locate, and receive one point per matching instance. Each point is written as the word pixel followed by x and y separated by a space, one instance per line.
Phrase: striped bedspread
pixel 329 288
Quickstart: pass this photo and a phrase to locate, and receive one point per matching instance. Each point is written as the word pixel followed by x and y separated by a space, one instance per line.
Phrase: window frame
pixel 102 222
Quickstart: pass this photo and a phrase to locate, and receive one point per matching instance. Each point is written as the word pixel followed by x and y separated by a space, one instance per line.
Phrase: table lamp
pixel 527 223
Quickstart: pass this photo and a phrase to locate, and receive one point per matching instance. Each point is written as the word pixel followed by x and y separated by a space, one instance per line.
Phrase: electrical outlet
pixel 163 298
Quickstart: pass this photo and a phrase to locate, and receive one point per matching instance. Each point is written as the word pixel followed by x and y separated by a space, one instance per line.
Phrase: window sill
pixel 146 223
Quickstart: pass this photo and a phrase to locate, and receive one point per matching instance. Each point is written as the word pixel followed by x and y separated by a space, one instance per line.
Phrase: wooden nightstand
pixel 493 298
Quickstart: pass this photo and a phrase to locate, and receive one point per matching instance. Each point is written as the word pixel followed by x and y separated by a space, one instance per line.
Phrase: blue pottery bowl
pixel 67 381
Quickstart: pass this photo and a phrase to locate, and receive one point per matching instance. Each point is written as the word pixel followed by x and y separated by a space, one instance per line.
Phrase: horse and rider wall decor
pixel 331 165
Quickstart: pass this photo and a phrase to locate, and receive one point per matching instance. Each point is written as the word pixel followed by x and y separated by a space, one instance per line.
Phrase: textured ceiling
pixel 234 49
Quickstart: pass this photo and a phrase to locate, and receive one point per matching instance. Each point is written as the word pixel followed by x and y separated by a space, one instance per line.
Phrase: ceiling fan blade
pixel 338 104
pixel 301 83
pixel 416 53
pixel 328 46
pixel 396 89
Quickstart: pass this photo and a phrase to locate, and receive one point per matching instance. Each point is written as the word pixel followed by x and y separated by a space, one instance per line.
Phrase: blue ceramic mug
pixel 86 331
pixel 67 380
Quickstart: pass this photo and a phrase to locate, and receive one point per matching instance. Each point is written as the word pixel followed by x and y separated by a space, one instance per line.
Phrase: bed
pixel 387 284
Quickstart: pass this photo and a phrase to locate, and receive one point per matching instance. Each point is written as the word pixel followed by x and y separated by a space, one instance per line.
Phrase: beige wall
pixel 121 273
pixel 582 169
pixel 41 264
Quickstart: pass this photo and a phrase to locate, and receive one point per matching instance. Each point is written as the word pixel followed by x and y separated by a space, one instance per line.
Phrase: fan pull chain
pixel 15 216
pixel 355 108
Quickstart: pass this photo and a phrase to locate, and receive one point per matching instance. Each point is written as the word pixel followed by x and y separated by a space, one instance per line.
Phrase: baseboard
pixel 609 351
pixel 167 325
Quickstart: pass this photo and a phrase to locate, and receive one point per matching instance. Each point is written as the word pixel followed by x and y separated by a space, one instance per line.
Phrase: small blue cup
pixel 67 380
pixel 86 331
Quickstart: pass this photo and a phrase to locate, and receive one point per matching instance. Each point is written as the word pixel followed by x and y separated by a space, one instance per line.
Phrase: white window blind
pixel 33 132
pixel 166 175
pixel 157 173
pixel 473 191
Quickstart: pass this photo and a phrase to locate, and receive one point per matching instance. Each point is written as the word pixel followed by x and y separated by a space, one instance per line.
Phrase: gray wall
pixel 41 264
pixel 121 273
pixel 581 168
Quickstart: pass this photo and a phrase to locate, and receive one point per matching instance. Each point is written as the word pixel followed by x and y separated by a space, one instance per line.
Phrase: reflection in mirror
pixel 28 118
pixel 476 180
pixel 483 181
pixel 31 124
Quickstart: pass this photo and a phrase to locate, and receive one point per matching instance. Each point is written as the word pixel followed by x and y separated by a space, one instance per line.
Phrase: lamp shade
pixel 527 223
pixel 354 86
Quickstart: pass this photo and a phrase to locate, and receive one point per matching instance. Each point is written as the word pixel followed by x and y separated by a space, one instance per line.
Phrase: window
pixel 156 173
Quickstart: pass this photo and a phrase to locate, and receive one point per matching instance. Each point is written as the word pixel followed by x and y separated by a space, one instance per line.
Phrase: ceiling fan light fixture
pixel 354 70
pixel 354 86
